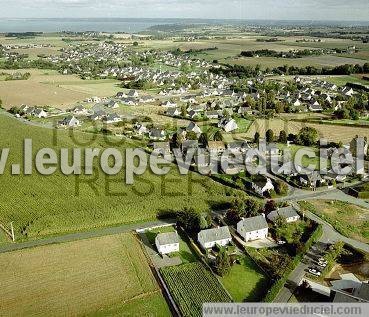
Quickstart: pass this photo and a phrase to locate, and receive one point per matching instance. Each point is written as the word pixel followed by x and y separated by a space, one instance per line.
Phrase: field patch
pixel 191 285
pixel 334 133
pixel 349 220
pixel 48 205
pixel 79 278
pixel 49 88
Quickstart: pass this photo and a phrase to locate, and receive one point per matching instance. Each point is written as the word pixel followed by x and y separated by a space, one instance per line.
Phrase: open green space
pixel 245 281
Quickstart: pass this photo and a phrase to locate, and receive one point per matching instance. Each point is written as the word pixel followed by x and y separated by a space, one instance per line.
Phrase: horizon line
pixel 183 18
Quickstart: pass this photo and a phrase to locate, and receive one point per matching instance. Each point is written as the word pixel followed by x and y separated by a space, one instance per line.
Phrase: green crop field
pixel 47 205
pixel 107 276
pixel 191 285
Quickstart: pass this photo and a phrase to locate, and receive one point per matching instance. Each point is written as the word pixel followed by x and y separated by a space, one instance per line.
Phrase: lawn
pixel 245 281
pixel 350 220
pixel 101 276
pixel 243 125
pixel 191 285
pixel 49 205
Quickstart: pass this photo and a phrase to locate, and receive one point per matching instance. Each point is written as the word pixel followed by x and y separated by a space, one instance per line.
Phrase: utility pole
pixel 12 231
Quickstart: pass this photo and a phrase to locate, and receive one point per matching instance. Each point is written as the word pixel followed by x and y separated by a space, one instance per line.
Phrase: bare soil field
pixel 49 88
pixel 79 278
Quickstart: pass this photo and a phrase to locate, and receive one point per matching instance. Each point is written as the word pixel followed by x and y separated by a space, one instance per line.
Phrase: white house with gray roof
pixel 253 228
pixel 167 242
pixel 289 214
pixel 210 237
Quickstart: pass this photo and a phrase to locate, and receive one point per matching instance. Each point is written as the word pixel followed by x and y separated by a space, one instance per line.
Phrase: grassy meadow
pixel 349 220
pixel 47 205
pixel 107 276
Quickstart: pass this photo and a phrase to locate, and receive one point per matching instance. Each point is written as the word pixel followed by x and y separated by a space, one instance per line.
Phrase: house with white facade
pixel 210 237
pixel 262 184
pixel 288 214
pixel 253 228
pixel 167 242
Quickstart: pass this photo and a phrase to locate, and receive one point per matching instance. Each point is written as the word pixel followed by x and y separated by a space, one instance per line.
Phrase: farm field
pixel 53 89
pixel 191 285
pixel 317 61
pixel 95 277
pixel 47 205
pixel 245 282
pixel 350 220
pixel 336 134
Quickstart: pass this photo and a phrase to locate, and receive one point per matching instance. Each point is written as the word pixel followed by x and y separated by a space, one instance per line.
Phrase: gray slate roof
pixel 167 238
pixel 252 224
pixel 285 212
pixel 215 234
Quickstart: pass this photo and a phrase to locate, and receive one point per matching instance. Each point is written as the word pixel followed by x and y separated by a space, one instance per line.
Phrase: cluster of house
pixel 33 111
pixel 248 229
pixel 315 94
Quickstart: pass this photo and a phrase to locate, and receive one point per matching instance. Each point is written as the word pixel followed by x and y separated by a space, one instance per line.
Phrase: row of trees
pixel 307 136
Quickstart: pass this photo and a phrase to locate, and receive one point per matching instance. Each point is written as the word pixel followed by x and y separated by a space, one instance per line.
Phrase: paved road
pixel 81 235
pixel 330 235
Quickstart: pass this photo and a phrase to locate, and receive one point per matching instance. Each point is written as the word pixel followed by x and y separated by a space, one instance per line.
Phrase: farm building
pixel 210 237
pixel 253 228
pixel 167 242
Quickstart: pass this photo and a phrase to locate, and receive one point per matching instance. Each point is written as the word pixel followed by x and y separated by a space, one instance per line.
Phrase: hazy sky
pixel 349 10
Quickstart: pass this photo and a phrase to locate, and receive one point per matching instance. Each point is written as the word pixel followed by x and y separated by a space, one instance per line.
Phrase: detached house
pixel 39 113
pixel 112 118
pixel 80 111
pixel 253 228
pixel 157 134
pixel 167 242
pixel 216 147
pixel 288 214
pixel 228 125
pixel 210 237
pixel 193 127
pixel 69 121
pixel 262 184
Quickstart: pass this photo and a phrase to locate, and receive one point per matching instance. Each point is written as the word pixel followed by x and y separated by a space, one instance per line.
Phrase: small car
pixel 314 272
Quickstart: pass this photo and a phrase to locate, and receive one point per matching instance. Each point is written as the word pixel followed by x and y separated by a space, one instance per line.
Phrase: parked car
pixel 281 242
pixel 322 264
pixel 314 272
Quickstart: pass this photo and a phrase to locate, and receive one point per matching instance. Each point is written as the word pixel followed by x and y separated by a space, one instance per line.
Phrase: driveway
pixel 261 243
